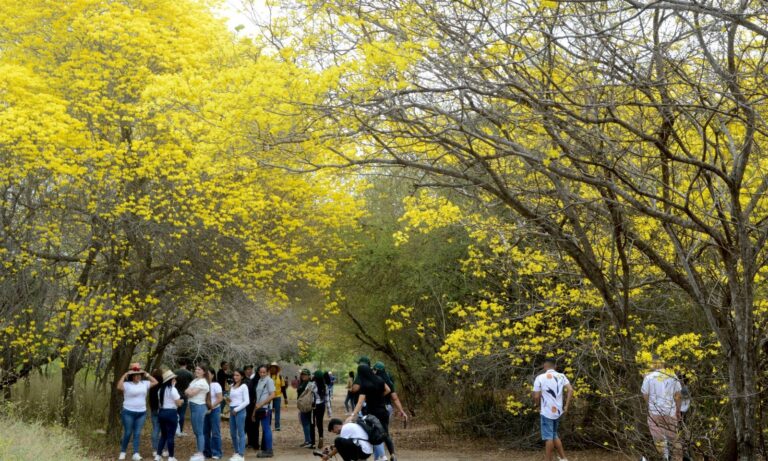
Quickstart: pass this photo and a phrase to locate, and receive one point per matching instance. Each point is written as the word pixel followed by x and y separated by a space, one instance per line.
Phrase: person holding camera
pixel 351 444
pixel 134 412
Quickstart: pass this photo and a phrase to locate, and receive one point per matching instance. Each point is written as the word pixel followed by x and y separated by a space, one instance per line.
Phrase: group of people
pixel 369 392
pixel 665 396
pixel 251 398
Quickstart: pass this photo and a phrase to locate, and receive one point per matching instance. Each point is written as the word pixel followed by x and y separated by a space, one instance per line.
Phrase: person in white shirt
pixel 662 392
pixel 196 393
pixel 212 427
pixel 169 400
pixel 134 412
pixel 352 442
pixel 548 390
pixel 238 401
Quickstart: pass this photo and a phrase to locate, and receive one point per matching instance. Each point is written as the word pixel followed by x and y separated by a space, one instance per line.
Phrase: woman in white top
pixel 238 401
pixel 196 394
pixel 169 401
pixel 134 411
pixel 212 427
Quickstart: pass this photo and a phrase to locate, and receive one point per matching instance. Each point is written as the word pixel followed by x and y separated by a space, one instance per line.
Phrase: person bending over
pixel 351 444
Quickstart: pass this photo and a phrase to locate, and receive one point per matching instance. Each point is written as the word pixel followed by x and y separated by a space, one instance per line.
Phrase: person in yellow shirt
pixel 274 372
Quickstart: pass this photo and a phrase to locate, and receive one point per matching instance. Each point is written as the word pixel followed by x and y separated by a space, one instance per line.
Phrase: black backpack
pixel 373 427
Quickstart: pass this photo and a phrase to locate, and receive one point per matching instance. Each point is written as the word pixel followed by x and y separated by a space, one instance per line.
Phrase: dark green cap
pixel 379 366
pixel 305 371
pixel 364 359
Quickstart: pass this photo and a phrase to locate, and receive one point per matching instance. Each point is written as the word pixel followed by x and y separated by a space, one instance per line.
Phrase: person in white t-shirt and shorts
pixel 548 390
pixel 662 392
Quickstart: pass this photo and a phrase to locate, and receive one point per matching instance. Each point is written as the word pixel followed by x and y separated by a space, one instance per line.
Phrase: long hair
pixel 320 382
pixel 367 378
pixel 163 388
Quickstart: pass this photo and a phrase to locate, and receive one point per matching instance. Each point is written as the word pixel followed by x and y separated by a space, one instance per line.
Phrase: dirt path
pixel 287 441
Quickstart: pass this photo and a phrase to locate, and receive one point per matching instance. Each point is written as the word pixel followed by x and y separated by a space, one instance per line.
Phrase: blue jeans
pixel 155 428
pixel 378 451
pixel 169 420
pixel 306 421
pixel 549 428
pixel 197 418
pixel 276 407
pixel 266 427
pixel 133 422
pixel 237 430
pixel 212 429
pixel 182 410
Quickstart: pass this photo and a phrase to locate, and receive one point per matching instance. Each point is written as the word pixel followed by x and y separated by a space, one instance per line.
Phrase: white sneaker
pixel 172 459
pixel 122 455
pixel 165 454
pixel 197 457
pixel 157 457
pixel 136 457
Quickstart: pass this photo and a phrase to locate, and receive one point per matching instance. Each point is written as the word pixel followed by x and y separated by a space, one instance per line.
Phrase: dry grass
pixel 20 441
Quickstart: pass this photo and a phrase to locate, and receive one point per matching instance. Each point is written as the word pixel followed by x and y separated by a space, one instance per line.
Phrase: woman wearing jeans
pixel 134 411
pixel 196 393
pixel 212 427
pixel 238 401
pixel 169 402
pixel 154 409
pixel 265 393
pixel 305 417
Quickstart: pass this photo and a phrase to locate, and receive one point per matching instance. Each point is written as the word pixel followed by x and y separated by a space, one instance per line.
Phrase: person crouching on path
pixel 265 392
pixel 351 444
pixel 212 425
pixel 548 389
pixel 662 392
pixel 238 402
pixel 274 373
pixel 134 412
pixel 169 402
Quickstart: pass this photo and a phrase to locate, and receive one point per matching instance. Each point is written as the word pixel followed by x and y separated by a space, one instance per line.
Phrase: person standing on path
pixel 154 410
pixel 371 393
pixel 251 428
pixel 389 400
pixel 169 401
pixel 212 426
pixel 662 392
pixel 305 417
pixel 548 389
pixel 224 378
pixel 349 403
pixel 183 378
pixel 274 373
pixel 318 412
pixel 265 393
pixel 238 403
pixel 196 393
pixel 134 412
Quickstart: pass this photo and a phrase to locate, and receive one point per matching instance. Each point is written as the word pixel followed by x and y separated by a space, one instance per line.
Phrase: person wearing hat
pixel 305 417
pixel 274 373
pixel 134 412
pixel 169 400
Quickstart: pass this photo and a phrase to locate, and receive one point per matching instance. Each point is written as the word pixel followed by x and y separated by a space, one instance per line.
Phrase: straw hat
pixel 168 374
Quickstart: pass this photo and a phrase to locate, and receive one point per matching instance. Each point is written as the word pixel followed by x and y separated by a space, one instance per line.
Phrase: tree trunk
pixel 72 365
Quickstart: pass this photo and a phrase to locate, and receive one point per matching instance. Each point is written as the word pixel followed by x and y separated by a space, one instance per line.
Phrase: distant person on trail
pixel 663 393
pixel 134 412
pixel 305 417
pixel 329 379
pixel 349 402
pixel 548 389
pixel 183 378
pixel 284 389
pixel 351 444
pixel 238 404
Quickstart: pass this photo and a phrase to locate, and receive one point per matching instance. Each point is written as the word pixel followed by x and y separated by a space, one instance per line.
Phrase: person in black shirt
pixel 372 392
pixel 251 427
pixel 224 378
pixel 183 378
